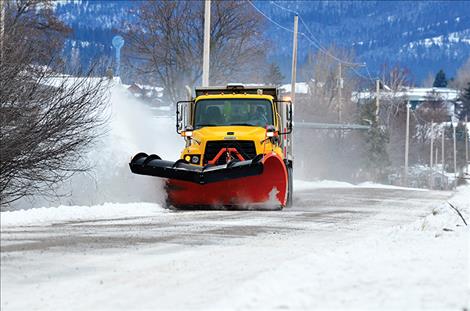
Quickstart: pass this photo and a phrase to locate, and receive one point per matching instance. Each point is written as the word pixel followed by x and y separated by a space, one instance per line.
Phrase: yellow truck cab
pixel 234 116
pixel 223 120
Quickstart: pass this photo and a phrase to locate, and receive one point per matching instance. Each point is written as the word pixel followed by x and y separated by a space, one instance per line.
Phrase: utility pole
pixel 466 144
pixel 340 84
pixel 294 59
pixel 207 42
pixel 293 77
pixel 377 100
pixel 431 162
pixel 340 92
pixel 443 151
pixel 407 141
pixel 454 127
pixel 340 104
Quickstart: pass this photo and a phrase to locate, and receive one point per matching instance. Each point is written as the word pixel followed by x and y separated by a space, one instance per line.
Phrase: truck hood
pixel 229 133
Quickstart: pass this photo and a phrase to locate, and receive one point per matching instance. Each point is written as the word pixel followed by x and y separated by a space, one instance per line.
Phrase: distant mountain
pixel 424 36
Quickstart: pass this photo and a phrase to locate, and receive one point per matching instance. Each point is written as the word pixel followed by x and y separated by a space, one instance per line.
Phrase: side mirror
pixel 289 117
pixel 182 115
pixel 285 108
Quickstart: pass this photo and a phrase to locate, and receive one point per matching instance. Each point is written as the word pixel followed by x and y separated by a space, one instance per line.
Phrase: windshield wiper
pixel 208 124
pixel 242 124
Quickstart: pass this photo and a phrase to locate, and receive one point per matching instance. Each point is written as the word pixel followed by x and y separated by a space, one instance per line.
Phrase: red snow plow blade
pixel 269 189
pixel 255 183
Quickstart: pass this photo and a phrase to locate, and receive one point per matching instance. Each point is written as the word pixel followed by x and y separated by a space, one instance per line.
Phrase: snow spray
pixel 133 127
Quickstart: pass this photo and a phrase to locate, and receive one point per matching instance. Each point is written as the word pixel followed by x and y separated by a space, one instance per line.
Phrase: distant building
pixel 136 90
pixel 300 88
pixel 148 93
pixel 415 95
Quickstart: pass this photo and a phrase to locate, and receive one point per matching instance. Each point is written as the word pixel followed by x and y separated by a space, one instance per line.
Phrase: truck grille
pixel 246 148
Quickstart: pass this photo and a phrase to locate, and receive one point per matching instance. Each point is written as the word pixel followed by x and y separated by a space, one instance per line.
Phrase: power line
pixel 361 75
pixel 368 73
pixel 268 18
pixel 315 41
pixel 284 8
pixel 318 44
pixel 290 30
pixel 285 28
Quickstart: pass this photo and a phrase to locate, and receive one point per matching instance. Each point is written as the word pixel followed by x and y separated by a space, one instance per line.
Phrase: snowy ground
pixel 337 248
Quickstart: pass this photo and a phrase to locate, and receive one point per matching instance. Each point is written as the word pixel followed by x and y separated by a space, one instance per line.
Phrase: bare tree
pixel 32 25
pixel 396 77
pixel 429 80
pixel 393 116
pixel 395 80
pixel 328 153
pixel 47 119
pixel 433 109
pixel 274 75
pixel 321 72
pixel 392 113
pixel 462 78
pixel 165 43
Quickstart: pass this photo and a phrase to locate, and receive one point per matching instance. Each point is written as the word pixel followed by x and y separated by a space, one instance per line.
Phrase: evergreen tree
pixel 274 76
pixel 440 80
pixel 465 106
pixel 376 159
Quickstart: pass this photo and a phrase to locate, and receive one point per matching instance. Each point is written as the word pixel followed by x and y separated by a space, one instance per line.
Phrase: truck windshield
pixel 233 111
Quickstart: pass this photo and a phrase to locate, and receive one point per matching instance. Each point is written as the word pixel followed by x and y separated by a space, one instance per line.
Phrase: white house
pixel 415 95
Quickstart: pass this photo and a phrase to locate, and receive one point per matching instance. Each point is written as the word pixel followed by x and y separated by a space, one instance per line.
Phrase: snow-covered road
pixel 346 248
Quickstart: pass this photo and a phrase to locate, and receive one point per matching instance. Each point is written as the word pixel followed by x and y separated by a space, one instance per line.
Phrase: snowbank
pixel 302 185
pixel 52 215
pixel 444 218
pixel 369 184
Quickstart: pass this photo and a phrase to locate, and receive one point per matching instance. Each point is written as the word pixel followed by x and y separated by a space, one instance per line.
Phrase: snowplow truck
pixel 238 150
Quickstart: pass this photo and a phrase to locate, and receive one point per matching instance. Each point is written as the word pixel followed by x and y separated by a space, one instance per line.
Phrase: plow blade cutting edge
pixel 262 180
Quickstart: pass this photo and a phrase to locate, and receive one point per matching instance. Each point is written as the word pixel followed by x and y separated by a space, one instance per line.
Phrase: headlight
pixel 195 159
pixel 192 158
